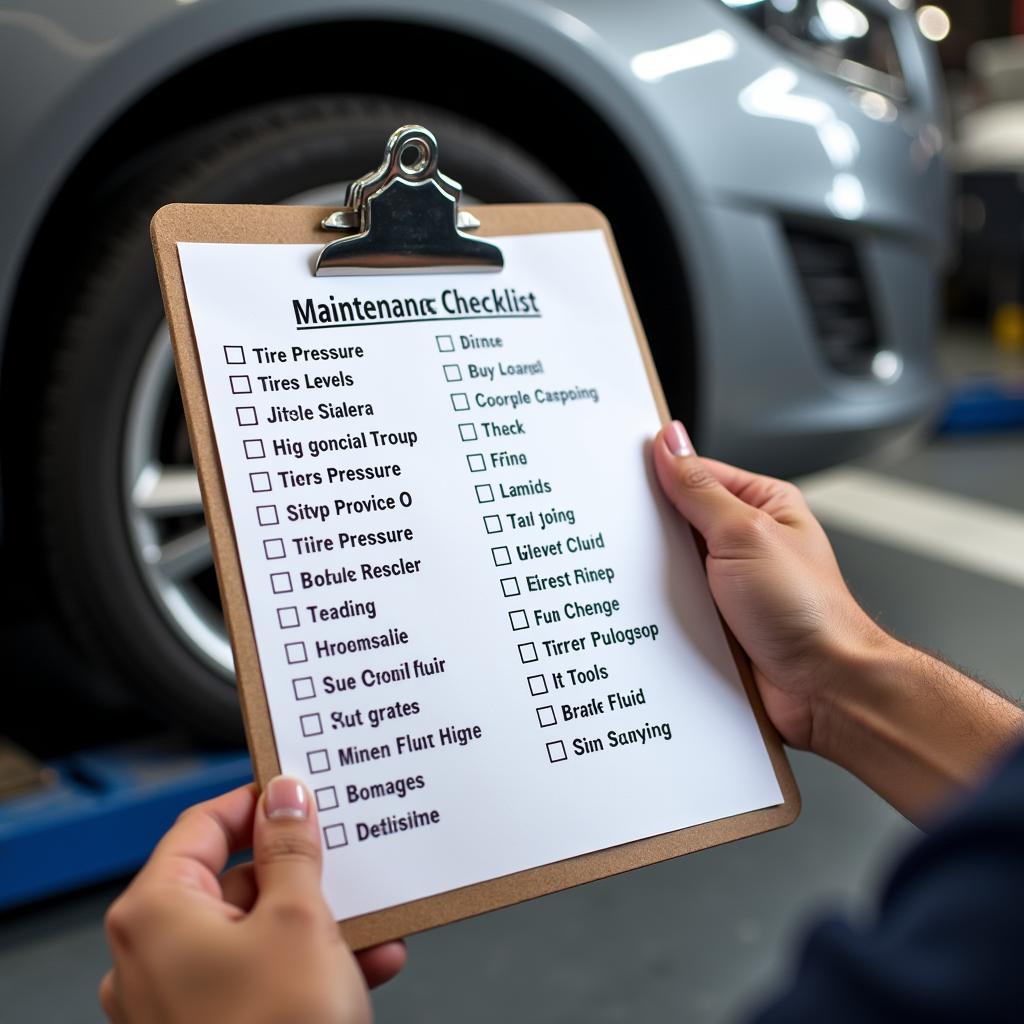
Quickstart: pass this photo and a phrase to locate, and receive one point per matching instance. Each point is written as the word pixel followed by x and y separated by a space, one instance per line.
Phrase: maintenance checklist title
pixel 451 304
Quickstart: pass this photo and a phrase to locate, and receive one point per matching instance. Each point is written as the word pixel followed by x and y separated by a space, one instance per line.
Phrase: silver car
pixel 772 168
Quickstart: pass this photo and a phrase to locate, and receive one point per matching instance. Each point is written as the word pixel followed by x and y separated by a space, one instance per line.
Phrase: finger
pixel 238 886
pixel 696 493
pixel 110 1002
pixel 193 853
pixel 382 963
pixel 780 499
pixel 286 844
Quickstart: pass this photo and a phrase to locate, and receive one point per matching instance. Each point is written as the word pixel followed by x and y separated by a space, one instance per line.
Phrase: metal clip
pixel 407 218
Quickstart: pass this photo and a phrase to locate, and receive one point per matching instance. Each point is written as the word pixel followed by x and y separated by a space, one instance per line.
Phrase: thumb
pixel 286 842
pixel 691 487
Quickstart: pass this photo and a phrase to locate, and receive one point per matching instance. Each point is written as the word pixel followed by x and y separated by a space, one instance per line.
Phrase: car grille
pixel 840 306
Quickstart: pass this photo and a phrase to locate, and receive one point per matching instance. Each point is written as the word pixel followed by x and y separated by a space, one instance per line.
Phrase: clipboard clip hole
pixel 415 158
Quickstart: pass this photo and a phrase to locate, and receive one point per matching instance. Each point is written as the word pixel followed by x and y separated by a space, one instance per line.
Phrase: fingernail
pixel 677 439
pixel 286 798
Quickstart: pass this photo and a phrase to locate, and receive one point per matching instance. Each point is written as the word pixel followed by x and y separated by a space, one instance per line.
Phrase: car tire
pixel 114 536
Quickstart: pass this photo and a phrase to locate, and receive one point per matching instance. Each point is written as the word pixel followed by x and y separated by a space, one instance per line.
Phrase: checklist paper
pixel 486 640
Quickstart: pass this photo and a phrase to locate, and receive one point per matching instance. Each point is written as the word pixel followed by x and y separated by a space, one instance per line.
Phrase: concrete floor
pixel 699 939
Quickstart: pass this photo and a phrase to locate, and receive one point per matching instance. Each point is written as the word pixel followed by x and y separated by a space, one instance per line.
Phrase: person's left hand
pixel 254 945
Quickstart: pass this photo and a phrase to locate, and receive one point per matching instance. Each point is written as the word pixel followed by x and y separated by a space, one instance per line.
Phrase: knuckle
pixel 295 914
pixel 696 477
pixel 744 532
pixel 119 921
pixel 289 845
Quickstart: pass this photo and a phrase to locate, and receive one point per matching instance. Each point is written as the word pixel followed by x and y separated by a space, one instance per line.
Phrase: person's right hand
pixel 775 580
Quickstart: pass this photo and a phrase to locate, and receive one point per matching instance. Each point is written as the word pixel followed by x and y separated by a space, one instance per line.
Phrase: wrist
pixel 864 668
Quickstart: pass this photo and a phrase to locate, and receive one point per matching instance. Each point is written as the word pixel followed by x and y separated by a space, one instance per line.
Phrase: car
pixel 773 171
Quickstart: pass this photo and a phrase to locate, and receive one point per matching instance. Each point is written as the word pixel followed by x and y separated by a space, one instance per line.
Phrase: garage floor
pixel 698 939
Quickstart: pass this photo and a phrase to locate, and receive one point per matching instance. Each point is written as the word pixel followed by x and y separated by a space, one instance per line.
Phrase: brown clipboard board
pixel 269 225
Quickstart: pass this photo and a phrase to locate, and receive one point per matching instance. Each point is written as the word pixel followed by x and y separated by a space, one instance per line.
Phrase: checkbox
pixel 304 688
pixel 318 761
pixel 260 483
pixel 234 354
pixel 528 653
pixel 518 620
pixel 254 449
pixel 246 415
pixel 460 401
pixel 467 431
pixel 335 836
pixel 492 524
pixel 445 343
pixel 538 685
pixel 296 653
pixel 484 493
pixel 288 618
pixel 476 463
pixel 501 556
pixel 267 515
pixel 240 384
pixel 556 752
pixel 326 798
pixel 546 716
pixel 510 586
pixel 281 582
pixel 312 725
pixel 273 548
pixel 452 373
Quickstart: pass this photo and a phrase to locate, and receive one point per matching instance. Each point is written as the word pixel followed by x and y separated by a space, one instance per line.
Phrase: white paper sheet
pixel 487 642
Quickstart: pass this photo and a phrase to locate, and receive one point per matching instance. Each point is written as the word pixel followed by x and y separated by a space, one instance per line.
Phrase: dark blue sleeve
pixel 948 940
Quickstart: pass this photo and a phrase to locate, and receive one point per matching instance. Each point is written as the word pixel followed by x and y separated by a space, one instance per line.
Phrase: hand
pixel 915 729
pixel 775 580
pixel 256 944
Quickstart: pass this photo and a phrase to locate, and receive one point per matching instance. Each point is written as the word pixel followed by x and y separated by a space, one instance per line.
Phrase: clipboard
pixel 405 218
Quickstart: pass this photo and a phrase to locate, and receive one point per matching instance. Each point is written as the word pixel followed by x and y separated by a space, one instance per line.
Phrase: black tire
pixel 262 155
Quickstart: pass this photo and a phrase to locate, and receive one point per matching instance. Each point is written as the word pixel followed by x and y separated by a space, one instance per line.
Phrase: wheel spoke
pixel 185 556
pixel 167 491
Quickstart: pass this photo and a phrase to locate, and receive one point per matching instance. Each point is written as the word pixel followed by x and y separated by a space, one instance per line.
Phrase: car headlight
pixel 838 36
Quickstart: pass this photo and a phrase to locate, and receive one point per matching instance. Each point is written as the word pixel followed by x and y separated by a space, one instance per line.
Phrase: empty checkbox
pixel 318 761
pixel 460 401
pixel 556 752
pixel 335 836
pixel 246 415
pixel 476 463
pixel 484 493
pixel 518 620
pixel 501 556
pixel 312 725
pixel 273 548
pixel 254 449
pixel 288 618
pixel 260 483
pixel 326 798
pixel 267 515
pixel 296 653
pixel 538 684
pixel 510 586
pixel 234 354
pixel 303 688
pixel 546 716
pixel 240 384
pixel 492 524
pixel 467 431
pixel 528 653
pixel 281 582
pixel 452 373
pixel 445 343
